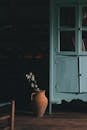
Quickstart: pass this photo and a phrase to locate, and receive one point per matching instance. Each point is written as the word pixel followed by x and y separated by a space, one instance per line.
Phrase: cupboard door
pixel 83 73
pixel 67 74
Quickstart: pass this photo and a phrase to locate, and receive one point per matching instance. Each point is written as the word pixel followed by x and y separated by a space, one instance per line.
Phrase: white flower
pixel 32 85
pixel 26 75
pixel 30 74
pixel 36 86
pixel 33 78
pixel 37 89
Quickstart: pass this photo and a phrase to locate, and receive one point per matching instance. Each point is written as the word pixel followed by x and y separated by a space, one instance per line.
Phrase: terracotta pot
pixel 40 102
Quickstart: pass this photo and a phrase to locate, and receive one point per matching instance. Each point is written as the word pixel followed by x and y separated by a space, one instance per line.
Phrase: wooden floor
pixel 57 121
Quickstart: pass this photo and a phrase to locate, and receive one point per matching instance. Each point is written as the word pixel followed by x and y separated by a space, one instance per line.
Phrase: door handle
pixel 80 74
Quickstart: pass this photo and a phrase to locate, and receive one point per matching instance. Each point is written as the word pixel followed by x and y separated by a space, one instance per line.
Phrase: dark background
pixel 24 47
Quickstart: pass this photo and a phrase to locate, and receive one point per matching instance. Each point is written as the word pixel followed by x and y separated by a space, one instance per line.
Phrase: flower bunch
pixel 32 81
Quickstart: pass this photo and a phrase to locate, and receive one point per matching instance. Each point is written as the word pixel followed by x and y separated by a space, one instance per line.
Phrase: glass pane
pixel 67 41
pixel 67 16
pixel 84 40
pixel 84 16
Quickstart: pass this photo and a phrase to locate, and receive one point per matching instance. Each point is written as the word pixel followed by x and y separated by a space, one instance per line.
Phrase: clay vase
pixel 40 102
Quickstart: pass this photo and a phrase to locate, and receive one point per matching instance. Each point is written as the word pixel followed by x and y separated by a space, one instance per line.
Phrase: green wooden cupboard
pixel 68 51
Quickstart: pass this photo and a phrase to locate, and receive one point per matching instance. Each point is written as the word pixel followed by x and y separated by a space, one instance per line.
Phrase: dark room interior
pixel 24 47
pixel 43 38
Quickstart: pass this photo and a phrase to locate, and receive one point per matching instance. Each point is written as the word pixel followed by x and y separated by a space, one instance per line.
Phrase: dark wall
pixel 24 46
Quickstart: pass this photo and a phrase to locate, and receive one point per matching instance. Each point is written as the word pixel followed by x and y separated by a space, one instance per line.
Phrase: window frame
pixel 78 29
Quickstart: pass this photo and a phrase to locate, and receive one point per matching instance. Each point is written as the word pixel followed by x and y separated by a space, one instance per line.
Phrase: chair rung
pixel 5 117
pixel 6 128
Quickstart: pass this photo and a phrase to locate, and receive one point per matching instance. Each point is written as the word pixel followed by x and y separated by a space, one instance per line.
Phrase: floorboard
pixel 55 121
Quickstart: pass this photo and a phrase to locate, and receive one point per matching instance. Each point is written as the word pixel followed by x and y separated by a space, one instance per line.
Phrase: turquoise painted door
pixel 83 73
pixel 67 74
pixel 71 74
pixel 71 62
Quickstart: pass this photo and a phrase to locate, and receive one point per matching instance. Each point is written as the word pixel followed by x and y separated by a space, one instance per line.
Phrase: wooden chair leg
pixel 13 115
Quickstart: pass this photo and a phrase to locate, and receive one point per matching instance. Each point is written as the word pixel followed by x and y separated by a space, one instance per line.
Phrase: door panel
pixel 67 74
pixel 83 73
